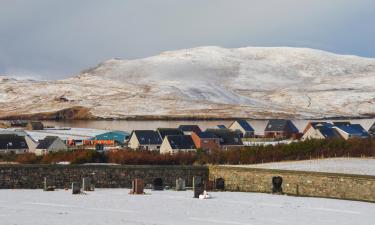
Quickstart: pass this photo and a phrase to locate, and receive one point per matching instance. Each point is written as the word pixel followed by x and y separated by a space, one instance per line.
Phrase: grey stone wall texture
pixel 299 183
pixel 104 176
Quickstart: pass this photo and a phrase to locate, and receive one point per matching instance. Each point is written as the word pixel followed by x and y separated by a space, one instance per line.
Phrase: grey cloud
pixel 59 38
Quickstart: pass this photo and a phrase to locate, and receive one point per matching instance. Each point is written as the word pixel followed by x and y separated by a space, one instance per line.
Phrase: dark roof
pixel 181 142
pixel 12 141
pixel 328 131
pixel 221 126
pixel 245 125
pixel 188 128
pixel 354 129
pixel 227 137
pixel 281 125
pixel 341 123
pixel 169 131
pixel 372 129
pixel 318 124
pixel 146 137
pixel 206 135
pixel 46 142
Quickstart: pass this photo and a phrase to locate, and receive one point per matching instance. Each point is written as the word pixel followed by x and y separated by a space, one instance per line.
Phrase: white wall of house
pixel 31 143
pixel 236 126
pixel 343 134
pixel 16 151
pixel 165 147
pixel 133 142
pixel 312 134
pixel 57 145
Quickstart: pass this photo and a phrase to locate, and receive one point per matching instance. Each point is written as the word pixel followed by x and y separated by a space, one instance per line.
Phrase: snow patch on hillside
pixel 210 81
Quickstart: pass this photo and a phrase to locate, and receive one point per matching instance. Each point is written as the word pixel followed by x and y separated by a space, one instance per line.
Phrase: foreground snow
pixel 363 166
pixel 116 206
pixel 208 82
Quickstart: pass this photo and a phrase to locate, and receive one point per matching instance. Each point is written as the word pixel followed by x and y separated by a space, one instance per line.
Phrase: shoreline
pixel 179 118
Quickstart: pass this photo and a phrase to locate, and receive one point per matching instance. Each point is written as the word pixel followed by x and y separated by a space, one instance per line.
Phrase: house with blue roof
pixel 352 131
pixel 320 130
pixel 345 130
pixel 243 127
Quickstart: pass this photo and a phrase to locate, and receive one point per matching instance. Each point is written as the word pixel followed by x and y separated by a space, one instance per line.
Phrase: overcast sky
pixel 51 39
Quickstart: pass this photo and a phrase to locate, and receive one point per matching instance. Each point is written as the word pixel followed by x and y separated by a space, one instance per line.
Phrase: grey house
pixel 50 144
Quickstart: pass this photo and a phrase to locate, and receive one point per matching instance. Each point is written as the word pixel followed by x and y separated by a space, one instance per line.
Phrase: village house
pixel 145 140
pixel 243 127
pixel 279 128
pixel 348 131
pixel 371 131
pixel 189 129
pixel 177 143
pixel 205 140
pixel 320 130
pixel 228 138
pixel 169 131
pixel 50 144
pixel 13 143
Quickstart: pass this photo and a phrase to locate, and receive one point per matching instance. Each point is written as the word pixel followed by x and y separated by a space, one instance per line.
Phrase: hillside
pixel 204 82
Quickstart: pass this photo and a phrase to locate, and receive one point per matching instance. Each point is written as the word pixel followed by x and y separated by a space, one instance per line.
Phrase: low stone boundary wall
pixel 104 176
pixel 300 183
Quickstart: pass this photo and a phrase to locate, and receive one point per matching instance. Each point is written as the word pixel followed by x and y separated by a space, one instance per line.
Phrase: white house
pixel 50 144
pixel 177 143
pixel 145 140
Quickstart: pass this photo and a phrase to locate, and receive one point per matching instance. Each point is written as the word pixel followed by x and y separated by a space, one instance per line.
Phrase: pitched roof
pixel 281 125
pixel 341 123
pixel 318 124
pixel 147 137
pixel 169 131
pixel 245 125
pixel 188 128
pixel 353 129
pixel 181 141
pixel 227 137
pixel 328 132
pixel 206 135
pixel 46 142
pixel 372 129
pixel 221 126
pixel 12 141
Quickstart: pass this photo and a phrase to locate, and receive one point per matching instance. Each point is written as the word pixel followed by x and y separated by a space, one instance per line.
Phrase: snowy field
pixel 363 166
pixel 116 206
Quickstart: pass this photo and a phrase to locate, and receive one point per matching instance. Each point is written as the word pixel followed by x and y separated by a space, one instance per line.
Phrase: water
pixel 126 125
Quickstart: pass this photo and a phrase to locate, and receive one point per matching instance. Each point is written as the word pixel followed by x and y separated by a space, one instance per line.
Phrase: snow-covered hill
pixel 208 82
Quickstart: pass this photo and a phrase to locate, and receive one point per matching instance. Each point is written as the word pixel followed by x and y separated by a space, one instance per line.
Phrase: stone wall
pixel 104 176
pixel 315 184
